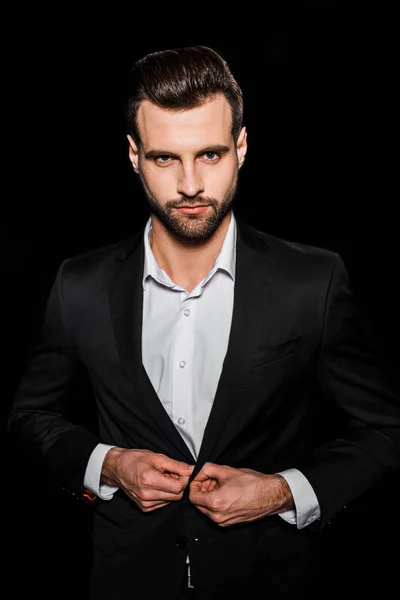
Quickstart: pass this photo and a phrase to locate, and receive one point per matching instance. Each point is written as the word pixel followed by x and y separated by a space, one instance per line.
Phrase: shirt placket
pixel 182 379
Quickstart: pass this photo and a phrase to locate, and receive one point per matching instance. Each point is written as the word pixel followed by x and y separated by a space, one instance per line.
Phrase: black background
pixel 318 91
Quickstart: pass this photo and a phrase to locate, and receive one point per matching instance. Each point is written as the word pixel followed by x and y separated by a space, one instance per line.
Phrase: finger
pixel 150 504
pixel 153 507
pixel 210 471
pixel 173 475
pixel 166 464
pixel 156 507
pixel 183 479
pixel 209 485
pixel 200 497
pixel 196 486
pixel 203 486
pixel 201 476
pixel 171 484
pixel 154 495
pixel 163 486
pixel 145 503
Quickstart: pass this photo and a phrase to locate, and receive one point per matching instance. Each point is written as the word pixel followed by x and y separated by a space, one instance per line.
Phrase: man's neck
pixel 186 263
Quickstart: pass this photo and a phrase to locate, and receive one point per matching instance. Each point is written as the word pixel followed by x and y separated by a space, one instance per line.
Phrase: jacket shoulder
pixel 297 260
pixel 292 246
pixel 295 252
pixel 100 259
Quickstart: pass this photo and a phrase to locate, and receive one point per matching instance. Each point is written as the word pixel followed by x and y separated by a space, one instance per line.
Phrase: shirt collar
pixel 225 260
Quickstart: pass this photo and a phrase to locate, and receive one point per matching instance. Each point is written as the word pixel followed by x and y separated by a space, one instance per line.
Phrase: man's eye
pixel 165 158
pixel 208 153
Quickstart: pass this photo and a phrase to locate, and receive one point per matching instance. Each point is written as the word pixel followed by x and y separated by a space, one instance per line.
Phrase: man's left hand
pixel 229 496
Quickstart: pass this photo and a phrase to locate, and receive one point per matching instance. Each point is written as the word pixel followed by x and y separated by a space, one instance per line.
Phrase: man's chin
pixel 191 233
pixel 191 227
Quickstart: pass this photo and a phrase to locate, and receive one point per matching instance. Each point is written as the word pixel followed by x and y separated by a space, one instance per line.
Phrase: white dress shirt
pixel 184 342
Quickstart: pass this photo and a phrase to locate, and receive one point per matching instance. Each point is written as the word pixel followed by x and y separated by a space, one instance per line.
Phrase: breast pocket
pixel 280 351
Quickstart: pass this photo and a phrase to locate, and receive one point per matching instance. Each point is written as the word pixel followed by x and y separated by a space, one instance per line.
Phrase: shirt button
pixel 182 364
pixel 181 421
pixel 186 312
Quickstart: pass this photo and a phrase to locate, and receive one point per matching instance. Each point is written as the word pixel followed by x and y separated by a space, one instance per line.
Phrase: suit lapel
pixel 254 275
pixel 253 285
pixel 126 306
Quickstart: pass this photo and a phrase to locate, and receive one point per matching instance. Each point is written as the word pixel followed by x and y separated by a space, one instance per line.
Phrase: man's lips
pixel 193 210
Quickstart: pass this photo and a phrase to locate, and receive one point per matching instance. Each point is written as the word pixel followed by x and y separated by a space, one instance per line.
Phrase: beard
pixel 191 228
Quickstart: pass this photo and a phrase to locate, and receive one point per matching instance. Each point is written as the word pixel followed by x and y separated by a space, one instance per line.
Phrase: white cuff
pixel 306 502
pixel 93 473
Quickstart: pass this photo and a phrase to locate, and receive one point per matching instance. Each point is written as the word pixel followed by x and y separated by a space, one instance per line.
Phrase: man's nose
pixel 190 183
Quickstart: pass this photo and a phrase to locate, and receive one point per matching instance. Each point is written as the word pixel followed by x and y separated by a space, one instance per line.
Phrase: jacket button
pixel 181 541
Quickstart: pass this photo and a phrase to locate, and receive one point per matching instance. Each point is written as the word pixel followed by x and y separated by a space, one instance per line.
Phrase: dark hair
pixel 180 79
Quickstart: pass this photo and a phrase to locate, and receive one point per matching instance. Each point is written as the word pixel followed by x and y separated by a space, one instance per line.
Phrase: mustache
pixel 190 202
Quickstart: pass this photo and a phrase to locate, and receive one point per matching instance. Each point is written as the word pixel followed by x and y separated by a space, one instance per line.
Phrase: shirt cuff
pixel 307 507
pixel 93 473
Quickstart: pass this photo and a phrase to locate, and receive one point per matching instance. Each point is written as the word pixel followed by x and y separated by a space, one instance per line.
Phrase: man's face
pixel 188 158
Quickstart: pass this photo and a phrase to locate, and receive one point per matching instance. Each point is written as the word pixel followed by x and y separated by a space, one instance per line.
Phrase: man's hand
pixel 152 480
pixel 229 496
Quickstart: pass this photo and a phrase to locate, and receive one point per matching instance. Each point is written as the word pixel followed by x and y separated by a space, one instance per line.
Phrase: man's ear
pixel 241 146
pixel 133 153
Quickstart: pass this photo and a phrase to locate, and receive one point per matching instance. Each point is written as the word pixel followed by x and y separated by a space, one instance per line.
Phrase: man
pixel 216 355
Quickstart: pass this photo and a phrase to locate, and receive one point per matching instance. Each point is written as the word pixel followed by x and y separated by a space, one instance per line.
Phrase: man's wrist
pixel 283 494
pixel 110 465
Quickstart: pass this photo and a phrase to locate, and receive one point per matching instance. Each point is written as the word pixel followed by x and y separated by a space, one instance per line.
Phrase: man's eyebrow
pixel 217 148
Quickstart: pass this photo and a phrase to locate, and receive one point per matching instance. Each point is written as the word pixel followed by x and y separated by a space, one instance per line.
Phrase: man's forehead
pixel 157 123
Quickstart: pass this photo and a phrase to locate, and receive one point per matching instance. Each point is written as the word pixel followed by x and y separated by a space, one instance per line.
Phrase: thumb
pixel 210 471
pixel 176 466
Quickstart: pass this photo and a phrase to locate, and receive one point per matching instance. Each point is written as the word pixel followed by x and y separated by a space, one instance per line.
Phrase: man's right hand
pixel 152 480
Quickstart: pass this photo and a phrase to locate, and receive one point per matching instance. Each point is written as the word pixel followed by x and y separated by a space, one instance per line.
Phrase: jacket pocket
pixel 264 356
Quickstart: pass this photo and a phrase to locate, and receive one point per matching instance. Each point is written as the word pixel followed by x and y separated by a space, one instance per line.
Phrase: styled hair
pixel 181 79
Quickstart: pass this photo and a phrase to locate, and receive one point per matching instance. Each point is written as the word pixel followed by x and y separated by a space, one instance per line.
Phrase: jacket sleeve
pixel 353 372
pixel 40 418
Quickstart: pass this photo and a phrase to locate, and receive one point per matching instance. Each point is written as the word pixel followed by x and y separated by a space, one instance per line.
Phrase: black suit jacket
pixel 299 351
